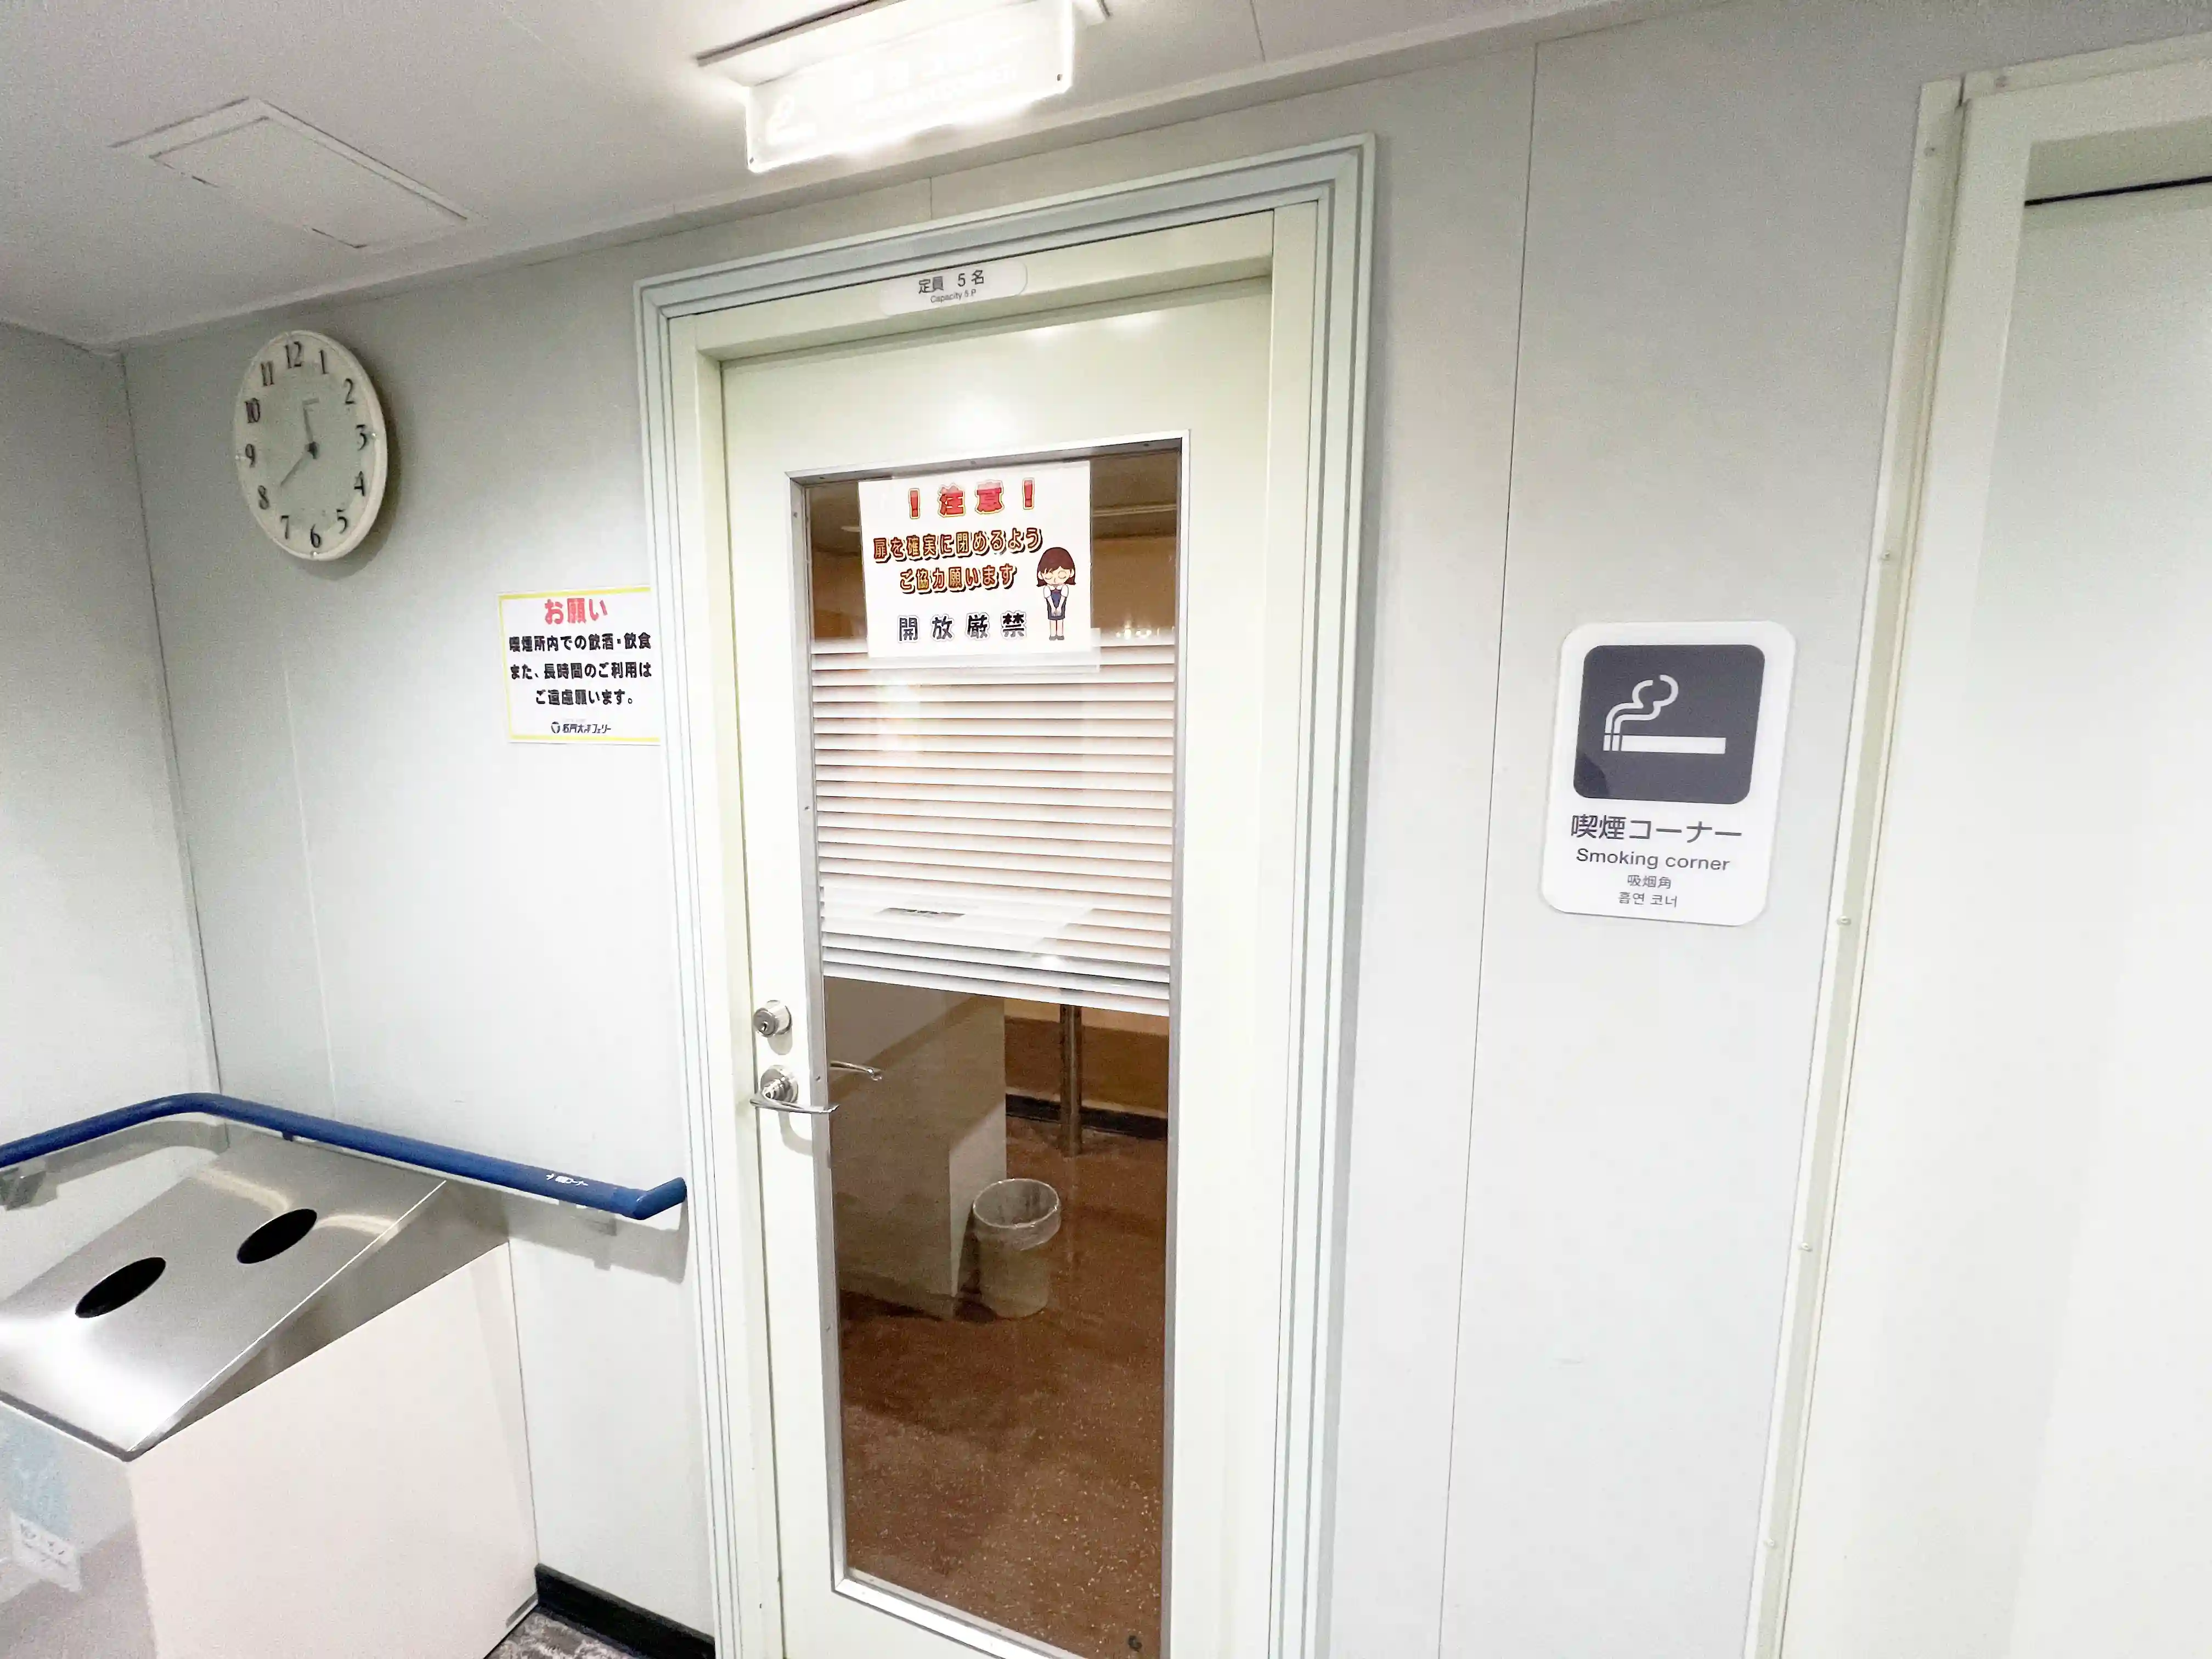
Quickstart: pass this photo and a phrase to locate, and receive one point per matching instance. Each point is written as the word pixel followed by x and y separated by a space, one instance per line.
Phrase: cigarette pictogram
pixel 1636 708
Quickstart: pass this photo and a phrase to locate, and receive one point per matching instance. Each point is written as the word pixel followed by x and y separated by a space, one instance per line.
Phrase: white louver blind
pixel 1010 836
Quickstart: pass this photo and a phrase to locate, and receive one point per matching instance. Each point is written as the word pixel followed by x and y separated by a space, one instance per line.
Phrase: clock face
pixel 310 444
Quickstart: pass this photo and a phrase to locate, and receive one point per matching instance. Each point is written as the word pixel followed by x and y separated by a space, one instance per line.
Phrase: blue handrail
pixel 631 1203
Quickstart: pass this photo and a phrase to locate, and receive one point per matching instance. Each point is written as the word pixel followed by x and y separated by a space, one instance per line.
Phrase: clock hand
pixel 312 450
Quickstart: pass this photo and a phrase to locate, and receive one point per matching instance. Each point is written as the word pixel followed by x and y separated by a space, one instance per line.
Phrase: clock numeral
pixel 268 373
pixel 344 525
pixel 285 520
pixel 361 485
pixel 363 432
pixel 324 358
pixel 252 455
pixel 349 391
pixel 314 537
pixel 253 412
pixel 295 354
pixel 261 495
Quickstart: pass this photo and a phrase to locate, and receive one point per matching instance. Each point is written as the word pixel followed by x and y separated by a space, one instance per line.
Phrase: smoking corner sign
pixel 1666 770
pixel 977 566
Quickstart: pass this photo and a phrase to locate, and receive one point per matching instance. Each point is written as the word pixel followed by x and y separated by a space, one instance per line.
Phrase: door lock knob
pixel 778 1091
pixel 772 1019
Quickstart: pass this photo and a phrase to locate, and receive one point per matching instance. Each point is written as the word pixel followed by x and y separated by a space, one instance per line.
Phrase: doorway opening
pixel 1221 312
pixel 1986 1438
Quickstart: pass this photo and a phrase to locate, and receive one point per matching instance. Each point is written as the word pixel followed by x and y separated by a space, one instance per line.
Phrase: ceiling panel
pixel 1291 29
pixel 544 120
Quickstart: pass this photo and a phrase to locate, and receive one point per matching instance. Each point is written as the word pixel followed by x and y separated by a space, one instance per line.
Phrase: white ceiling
pixel 548 121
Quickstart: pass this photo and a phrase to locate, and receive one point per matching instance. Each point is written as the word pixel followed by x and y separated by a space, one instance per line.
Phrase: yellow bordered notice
pixel 582 665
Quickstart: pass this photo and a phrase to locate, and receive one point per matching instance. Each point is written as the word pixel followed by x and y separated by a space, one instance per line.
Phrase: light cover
pixel 961 71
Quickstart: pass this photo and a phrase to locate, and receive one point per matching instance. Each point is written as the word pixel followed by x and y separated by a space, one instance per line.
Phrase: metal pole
pixel 1071 1080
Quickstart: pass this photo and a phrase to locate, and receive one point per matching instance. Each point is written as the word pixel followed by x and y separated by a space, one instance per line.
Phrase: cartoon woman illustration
pixel 1056 574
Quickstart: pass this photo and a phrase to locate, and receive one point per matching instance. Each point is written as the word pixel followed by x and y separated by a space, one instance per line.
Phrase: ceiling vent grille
pixel 276 166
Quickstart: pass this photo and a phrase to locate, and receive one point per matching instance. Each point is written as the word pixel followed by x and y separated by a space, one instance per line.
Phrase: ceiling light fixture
pixel 868 75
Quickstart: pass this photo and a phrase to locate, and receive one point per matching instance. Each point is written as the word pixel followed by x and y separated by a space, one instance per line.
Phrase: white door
pixel 967 842
pixel 2009 1455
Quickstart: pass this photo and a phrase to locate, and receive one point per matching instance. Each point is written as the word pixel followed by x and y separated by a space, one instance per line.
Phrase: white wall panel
pixel 1716 209
pixel 100 1002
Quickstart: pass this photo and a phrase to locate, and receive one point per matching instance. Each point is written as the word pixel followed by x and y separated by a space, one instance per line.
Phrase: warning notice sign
pixel 979 567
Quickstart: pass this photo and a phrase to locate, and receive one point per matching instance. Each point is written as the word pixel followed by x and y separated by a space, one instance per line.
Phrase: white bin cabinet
pixel 318 1454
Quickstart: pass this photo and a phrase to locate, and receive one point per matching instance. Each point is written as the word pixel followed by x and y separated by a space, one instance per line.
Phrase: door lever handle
pixel 867 1072
pixel 779 1092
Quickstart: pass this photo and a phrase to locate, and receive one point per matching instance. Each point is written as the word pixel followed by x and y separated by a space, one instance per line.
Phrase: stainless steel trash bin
pixel 277 1410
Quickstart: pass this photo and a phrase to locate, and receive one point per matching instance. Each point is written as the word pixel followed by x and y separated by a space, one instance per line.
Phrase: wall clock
pixel 310 445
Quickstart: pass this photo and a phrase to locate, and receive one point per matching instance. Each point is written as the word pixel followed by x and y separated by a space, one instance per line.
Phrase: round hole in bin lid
pixel 125 1284
pixel 273 1238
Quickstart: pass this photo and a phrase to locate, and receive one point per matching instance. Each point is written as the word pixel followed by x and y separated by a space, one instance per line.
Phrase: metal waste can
pixel 275 1413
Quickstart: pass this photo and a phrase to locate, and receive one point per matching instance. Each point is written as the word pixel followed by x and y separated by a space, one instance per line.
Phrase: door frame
pixel 1989 143
pixel 688 324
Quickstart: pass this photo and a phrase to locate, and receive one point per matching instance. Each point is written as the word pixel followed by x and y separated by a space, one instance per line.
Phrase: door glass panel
pixel 995 848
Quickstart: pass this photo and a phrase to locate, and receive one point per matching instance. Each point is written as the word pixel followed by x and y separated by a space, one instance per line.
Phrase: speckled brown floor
pixel 1012 1468
pixel 542 1638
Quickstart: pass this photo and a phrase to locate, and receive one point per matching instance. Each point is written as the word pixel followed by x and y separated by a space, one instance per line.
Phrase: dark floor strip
pixel 646 1634
pixel 1140 1126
